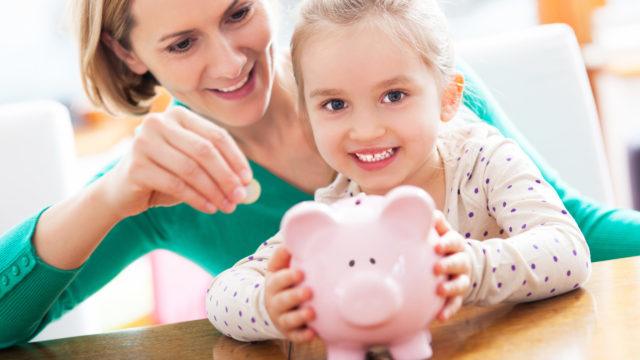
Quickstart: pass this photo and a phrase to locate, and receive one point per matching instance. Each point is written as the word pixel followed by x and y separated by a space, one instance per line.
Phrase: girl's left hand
pixel 455 265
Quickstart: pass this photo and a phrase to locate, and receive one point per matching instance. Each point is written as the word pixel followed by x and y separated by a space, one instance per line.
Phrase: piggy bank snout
pixel 368 299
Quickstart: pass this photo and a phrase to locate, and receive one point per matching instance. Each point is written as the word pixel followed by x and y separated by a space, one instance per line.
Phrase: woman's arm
pixel 33 292
pixel 609 232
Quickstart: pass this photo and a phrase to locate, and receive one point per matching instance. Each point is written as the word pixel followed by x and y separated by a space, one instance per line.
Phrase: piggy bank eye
pixel 352 263
pixel 372 261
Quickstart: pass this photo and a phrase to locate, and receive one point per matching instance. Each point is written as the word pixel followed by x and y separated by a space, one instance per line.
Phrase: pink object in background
pixel 369 261
pixel 179 287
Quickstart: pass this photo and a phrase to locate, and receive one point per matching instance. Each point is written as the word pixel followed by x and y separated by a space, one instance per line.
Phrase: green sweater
pixel 32 293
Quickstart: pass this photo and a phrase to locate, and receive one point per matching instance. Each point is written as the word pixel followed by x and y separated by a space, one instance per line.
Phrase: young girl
pixel 377 82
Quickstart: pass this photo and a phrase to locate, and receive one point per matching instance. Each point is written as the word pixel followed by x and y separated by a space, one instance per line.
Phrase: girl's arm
pixel 545 253
pixel 235 300
pixel 610 232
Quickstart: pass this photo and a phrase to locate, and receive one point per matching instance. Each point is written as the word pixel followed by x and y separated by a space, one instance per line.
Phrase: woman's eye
pixel 182 46
pixel 334 105
pixel 393 96
pixel 239 15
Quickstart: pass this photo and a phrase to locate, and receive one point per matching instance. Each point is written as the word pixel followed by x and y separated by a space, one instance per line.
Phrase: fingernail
pixel 246 175
pixel 228 206
pixel 210 208
pixel 239 194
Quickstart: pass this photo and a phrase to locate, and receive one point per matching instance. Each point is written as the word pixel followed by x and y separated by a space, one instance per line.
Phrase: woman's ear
pixel 451 97
pixel 128 57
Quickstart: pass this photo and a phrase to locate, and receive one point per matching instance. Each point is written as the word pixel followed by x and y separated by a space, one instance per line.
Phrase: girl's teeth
pixel 235 87
pixel 375 157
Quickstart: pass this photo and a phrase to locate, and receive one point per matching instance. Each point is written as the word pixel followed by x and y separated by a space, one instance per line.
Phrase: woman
pixel 218 59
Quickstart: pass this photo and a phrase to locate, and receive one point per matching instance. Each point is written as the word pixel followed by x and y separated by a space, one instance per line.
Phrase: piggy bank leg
pixel 336 352
pixel 414 347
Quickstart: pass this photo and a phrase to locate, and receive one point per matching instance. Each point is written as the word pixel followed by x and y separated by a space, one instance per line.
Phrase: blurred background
pixel 39 62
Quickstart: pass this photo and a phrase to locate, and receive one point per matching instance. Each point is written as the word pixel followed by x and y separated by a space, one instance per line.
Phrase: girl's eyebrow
pixel 184 32
pixel 400 79
pixel 397 80
pixel 324 92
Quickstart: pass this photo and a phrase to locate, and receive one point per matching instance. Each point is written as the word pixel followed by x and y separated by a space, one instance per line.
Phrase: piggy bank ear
pixel 303 220
pixel 409 210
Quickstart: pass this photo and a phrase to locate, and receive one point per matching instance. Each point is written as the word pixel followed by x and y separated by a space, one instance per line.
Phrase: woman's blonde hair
pixel 419 24
pixel 107 80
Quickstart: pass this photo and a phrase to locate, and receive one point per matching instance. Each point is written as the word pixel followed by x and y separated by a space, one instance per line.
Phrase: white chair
pixel 37 158
pixel 38 162
pixel 539 79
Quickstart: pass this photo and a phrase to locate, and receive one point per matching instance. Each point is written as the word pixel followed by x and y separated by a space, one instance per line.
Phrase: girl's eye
pixel 239 15
pixel 182 46
pixel 393 96
pixel 334 105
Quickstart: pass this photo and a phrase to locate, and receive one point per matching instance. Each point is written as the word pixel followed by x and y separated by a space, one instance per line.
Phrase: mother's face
pixel 214 55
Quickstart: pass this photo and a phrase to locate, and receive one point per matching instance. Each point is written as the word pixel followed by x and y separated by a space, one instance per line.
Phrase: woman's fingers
pixel 209 158
pixel 221 139
pixel 188 171
pixel 165 182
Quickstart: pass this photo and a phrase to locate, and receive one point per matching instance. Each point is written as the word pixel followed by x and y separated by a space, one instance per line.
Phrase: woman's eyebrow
pixel 184 32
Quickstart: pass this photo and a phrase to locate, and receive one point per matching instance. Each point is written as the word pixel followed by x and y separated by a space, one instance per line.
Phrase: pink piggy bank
pixel 369 261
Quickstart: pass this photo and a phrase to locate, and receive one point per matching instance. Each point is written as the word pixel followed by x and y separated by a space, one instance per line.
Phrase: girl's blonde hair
pixel 419 24
pixel 106 79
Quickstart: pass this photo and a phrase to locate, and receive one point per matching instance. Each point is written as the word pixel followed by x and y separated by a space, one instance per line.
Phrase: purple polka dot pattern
pixel 533 266
pixel 467 235
pixel 470 214
pixel 513 268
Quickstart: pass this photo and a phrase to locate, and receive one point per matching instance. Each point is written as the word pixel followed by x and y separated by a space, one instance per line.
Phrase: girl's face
pixel 373 105
pixel 215 56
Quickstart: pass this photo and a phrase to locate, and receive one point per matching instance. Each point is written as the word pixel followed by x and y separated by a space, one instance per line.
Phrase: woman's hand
pixel 283 299
pixel 455 265
pixel 178 156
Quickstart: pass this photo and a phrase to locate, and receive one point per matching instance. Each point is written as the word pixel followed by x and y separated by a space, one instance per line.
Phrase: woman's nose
pixel 226 59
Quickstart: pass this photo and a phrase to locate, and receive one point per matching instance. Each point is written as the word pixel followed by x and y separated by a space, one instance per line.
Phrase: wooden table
pixel 601 321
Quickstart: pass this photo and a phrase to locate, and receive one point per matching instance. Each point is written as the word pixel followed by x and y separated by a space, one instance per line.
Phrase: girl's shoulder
pixel 468 137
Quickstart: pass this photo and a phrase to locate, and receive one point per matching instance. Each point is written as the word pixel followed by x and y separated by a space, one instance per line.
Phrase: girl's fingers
pixel 449 243
pixel 295 319
pixel 283 279
pixel 221 139
pixel 441 224
pixel 302 335
pixel 455 287
pixel 451 307
pixel 279 260
pixel 455 264
pixel 286 300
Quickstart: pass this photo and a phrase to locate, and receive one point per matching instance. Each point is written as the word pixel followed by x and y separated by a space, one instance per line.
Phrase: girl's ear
pixel 451 98
pixel 128 57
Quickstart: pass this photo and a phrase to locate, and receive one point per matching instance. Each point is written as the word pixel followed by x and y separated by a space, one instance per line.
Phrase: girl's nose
pixel 366 130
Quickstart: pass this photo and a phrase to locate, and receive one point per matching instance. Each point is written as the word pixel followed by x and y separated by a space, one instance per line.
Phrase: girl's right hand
pixel 178 156
pixel 284 298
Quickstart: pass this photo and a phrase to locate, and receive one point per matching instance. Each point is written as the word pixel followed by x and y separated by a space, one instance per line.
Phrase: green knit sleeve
pixel 611 233
pixel 33 293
